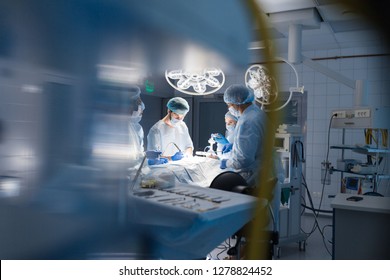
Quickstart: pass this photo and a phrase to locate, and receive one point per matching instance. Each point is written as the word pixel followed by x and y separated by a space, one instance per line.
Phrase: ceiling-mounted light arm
pixel 359 86
pixel 328 72
pixel 297 87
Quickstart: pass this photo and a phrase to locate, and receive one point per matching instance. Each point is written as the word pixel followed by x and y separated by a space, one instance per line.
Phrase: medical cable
pixel 296 158
pixel 295 153
pixel 326 160
pixel 223 247
pixel 170 144
pixel 316 224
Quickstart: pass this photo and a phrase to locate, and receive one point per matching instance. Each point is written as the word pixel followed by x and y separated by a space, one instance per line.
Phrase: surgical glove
pixel 227 148
pixel 223 164
pixel 157 161
pixel 177 156
pixel 219 138
pixel 153 154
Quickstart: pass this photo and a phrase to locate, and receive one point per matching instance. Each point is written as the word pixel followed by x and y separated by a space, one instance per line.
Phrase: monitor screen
pixel 352 183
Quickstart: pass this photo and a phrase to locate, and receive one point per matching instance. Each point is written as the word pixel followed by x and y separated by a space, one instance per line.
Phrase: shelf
pixel 351 172
pixel 361 149
pixel 378 152
pixel 381 176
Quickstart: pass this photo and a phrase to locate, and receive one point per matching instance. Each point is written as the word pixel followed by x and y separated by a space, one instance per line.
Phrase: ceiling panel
pixel 349 25
pixel 340 26
pixel 358 36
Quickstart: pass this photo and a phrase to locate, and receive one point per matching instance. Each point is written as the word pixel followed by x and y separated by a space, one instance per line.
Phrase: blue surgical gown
pixel 248 142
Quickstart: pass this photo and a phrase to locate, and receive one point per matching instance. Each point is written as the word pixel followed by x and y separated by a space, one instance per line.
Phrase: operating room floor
pixel 314 248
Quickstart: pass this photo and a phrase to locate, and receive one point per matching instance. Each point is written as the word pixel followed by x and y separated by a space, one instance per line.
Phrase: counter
pixel 361 229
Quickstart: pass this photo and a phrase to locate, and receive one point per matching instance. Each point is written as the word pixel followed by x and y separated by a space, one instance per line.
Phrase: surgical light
pixel 203 82
pixel 264 86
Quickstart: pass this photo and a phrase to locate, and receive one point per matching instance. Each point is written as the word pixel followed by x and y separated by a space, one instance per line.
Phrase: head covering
pixel 238 94
pixel 135 102
pixel 229 115
pixel 134 92
pixel 178 105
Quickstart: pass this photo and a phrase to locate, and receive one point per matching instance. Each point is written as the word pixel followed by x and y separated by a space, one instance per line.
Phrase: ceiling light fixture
pixel 204 82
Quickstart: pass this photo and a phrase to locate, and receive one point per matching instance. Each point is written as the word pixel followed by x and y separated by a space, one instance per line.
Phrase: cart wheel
pixel 277 252
pixel 302 245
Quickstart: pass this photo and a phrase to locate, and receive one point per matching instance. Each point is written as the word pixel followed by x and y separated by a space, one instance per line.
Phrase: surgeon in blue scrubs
pixel 246 151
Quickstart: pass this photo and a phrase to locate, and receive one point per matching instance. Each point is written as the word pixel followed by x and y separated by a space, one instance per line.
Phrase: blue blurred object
pixel 78 73
pixel 157 161
pixel 227 148
pixel 177 156
pixel 153 154
pixel 219 138
pixel 223 164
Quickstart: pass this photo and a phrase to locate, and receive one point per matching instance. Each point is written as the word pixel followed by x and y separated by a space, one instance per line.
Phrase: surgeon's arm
pixel 244 152
pixel 189 151
pixel 189 146
pixel 154 139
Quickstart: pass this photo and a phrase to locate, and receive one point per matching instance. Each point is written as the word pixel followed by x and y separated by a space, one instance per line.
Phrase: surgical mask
pixel 230 127
pixel 234 112
pixel 142 106
pixel 175 121
pixel 135 119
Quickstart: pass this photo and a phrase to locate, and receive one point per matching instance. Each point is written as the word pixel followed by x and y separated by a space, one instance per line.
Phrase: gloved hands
pixel 219 138
pixel 153 154
pixel 157 161
pixel 223 164
pixel 227 148
pixel 177 156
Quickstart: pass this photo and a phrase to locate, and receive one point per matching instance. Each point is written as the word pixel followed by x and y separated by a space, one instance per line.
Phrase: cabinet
pixel 363 177
pixel 359 228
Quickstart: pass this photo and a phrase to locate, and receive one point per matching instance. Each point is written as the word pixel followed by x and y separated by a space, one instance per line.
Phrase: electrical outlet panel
pixel 362 113
pixel 338 114
pixel 362 117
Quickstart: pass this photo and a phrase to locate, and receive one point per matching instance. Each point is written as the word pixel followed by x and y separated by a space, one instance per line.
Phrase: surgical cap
pixel 178 105
pixel 238 94
pixel 134 92
pixel 229 115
